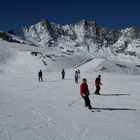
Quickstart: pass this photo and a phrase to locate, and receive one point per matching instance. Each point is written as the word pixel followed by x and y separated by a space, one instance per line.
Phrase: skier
pixel 63 73
pixel 40 74
pixel 78 73
pixel 85 93
pixel 97 84
pixel 76 77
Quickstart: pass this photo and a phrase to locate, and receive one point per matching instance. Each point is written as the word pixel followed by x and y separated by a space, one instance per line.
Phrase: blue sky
pixel 116 14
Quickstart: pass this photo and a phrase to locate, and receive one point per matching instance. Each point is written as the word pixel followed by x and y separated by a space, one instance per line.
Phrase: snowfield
pixel 32 110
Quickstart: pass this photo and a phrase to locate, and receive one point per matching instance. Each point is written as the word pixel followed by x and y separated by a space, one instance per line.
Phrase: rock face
pixel 84 32
pixel 7 37
pixel 86 35
pixel 129 42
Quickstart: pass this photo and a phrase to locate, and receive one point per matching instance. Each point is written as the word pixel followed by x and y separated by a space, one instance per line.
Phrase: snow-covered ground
pixel 32 110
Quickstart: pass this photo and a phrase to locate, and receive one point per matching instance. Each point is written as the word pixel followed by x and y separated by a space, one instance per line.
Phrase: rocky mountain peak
pixel 86 35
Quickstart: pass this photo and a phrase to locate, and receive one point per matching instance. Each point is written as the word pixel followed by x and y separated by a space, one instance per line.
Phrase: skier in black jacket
pixel 97 84
pixel 40 74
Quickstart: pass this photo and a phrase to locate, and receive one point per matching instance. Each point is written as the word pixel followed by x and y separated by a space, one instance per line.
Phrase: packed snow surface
pixel 32 110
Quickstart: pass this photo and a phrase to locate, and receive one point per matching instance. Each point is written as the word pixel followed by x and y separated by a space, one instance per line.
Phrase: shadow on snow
pixel 113 109
pixel 115 94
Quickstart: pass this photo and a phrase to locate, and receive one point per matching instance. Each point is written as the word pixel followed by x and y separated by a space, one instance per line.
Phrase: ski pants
pixel 40 79
pixel 63 76
pixel 97 89
pixel 87 101
pixel 76 79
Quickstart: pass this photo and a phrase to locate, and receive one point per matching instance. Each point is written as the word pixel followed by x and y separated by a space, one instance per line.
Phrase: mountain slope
pixel 85 36
pixel 32 110
pixel 70 46
pixel 46 32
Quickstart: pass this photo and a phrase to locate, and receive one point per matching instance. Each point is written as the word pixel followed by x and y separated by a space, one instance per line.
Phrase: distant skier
pixel 40 74
pixel 63 73
pixel 78 71
pixel 76 77
pixel 85 93
pixel 97 84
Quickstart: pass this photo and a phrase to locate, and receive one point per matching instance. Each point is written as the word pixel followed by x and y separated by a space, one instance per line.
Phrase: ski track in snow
pixel 38 111
pixel 32 110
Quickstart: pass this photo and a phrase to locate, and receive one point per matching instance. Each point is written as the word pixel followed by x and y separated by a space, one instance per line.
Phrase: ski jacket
pixel 40 73
pixel 78 71
pixel 84 89
pixel 98 81
pixel 63 72
pixel 76 75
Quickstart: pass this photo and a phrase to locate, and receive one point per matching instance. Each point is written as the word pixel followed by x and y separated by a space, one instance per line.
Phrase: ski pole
pixel 77 99
pixel 91 89
pixel 74 101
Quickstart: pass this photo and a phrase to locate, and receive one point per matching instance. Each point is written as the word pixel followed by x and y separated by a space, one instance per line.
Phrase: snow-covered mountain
pixel 13 38
pixel 53 109
pixel 51 47
pixel 129 42
pixel 84 35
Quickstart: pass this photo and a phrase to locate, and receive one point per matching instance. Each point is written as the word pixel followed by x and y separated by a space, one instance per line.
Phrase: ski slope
pixel 32 110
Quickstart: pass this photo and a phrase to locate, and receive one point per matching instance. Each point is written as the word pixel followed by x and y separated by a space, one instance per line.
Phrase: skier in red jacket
pixel 97 84
pixel 85 93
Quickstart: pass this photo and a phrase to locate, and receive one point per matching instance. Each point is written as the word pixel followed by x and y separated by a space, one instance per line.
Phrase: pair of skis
pixel 94 109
